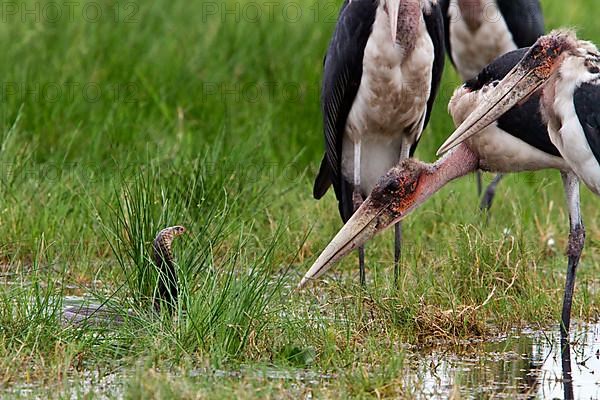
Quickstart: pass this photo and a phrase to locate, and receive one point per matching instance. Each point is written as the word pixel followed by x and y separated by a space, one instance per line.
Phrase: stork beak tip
pixel 302 284
pixel 441 150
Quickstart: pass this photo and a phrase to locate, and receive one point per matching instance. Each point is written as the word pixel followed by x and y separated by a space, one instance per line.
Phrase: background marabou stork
pixel 381 75
pixel 479 31
pixel 543 113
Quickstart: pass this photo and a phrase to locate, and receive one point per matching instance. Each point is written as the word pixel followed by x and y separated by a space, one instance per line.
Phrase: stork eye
pixel 393 185
pixel 495 83
pixel 413 186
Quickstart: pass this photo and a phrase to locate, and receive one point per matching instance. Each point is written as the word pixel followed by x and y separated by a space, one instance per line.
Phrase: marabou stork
pixel 381 75
pixel 478 32
pixel 530 109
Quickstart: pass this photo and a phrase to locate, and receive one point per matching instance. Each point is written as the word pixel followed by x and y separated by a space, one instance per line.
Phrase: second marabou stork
pixel 479 31
pixel 381 75
pixel 531 109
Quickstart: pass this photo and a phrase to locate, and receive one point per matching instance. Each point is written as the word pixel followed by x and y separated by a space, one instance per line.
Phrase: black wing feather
pixel 444 6
pixel 586 100
pixel 524 19
pixel 342 74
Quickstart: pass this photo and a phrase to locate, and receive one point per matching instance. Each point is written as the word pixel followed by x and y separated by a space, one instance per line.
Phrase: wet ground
pixel 524 365
pixel 527 364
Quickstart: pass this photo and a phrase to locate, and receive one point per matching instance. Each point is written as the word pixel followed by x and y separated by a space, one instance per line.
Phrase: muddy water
pixel 523 365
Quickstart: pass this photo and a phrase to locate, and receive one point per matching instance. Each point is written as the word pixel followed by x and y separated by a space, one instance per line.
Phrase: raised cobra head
pixel 163 257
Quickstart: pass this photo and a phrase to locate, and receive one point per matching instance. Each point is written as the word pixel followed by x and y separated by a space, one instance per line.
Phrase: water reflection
pixel 527 365
pixel 78 311
pixel 566 368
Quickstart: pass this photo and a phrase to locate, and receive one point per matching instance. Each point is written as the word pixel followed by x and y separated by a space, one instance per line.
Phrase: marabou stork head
pixel 535 69
pixel 398 192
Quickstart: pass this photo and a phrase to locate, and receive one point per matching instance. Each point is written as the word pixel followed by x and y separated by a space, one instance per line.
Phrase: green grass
pixel 163 113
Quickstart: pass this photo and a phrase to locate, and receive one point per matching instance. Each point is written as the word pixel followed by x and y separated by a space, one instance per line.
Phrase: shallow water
pixel 527 364
pixel 77 310
pixel 524 365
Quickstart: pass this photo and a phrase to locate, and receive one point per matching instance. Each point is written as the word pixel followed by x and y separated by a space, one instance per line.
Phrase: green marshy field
pixel 121 118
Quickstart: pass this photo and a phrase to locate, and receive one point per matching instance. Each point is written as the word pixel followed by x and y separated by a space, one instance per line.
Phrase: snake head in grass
pixel 163 257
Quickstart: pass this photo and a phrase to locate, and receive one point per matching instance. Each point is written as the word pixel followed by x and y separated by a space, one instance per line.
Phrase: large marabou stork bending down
pixel 479 31
pixel 381 75
pixel 543 113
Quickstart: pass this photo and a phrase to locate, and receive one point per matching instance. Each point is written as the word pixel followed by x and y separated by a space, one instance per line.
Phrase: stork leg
pixel 357 200
pixel 479 183
pixel 488 196
pixel 575 246
pixel 397 251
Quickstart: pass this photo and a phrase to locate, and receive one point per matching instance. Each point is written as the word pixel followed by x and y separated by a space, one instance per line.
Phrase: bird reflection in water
pixel 567 375
pixel 524 365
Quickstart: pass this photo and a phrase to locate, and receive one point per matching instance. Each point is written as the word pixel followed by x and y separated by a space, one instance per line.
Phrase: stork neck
pixel 456 163
pixel 408 22
pixel 472 13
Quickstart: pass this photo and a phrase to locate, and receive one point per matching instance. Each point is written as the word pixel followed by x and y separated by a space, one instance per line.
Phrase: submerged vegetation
pixel 153 114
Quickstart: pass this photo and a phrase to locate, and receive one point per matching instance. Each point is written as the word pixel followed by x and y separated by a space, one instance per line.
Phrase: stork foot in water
pixel 567 375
